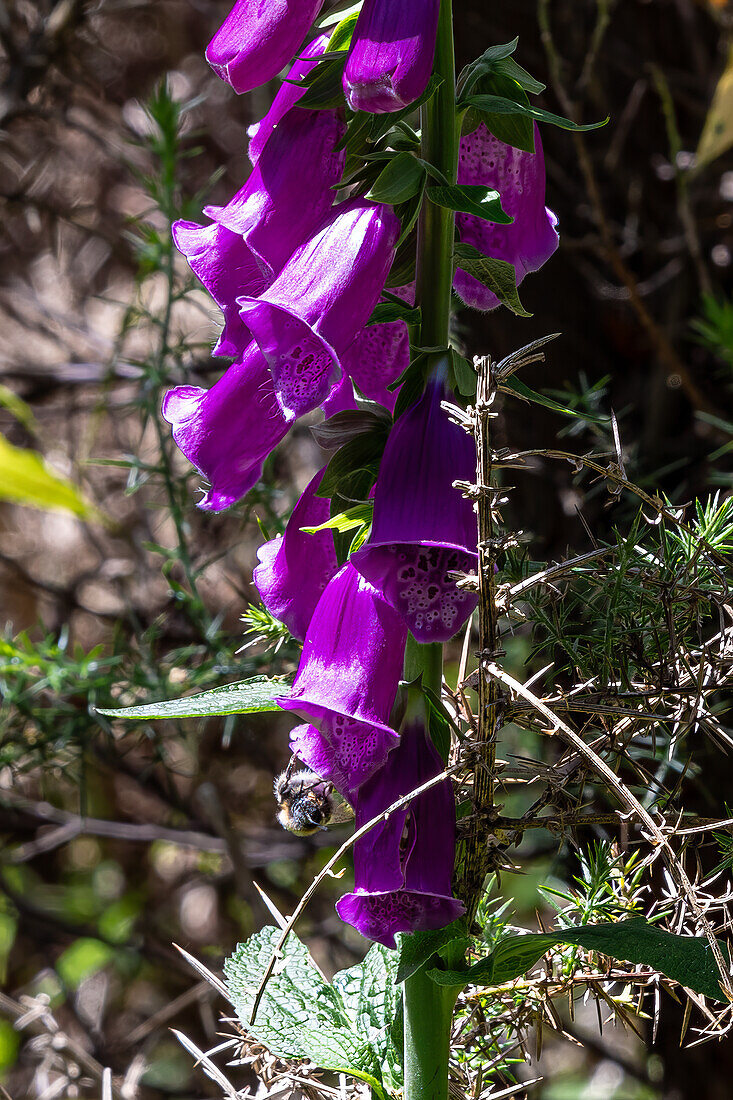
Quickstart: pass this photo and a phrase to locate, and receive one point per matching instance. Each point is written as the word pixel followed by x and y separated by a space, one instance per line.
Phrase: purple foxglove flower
pixel 346 683
pixel 391 55
pixel 227 268
pixel 228 431
pixel 423 528
pixel 295 569
pixel 403 867
pixel 288 194
pixel 287 96
pixel 258 38
pixel 378 356
pixel 283 202
pixel 320 300
pixel 520 179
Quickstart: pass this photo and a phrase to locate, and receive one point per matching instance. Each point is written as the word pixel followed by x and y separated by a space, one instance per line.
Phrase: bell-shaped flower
pixel 347 682
pixel 227 268
pixel 403 866
pixel 423 528
pixel 321 299
pixel 258 38
pixel 228 431
pixel 391 54
pixel 377 357
pixel 295 569
pixel 519 177
pixel 284 200
pixel 287 96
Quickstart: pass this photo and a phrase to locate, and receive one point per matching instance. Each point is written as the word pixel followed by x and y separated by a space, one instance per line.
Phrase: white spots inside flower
pixel 396 910
pixel 305 366
pixel 424 593
pixel 357 747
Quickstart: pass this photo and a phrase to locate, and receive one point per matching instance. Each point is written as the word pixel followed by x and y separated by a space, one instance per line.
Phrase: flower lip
pixel 303 364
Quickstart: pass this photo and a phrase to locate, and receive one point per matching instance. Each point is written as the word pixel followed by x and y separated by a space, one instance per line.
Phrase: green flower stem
pixel 436 230
pixel 428 1007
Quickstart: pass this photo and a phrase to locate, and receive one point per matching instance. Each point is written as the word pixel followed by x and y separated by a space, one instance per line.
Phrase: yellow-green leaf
pixel 717 133
pixel 26 479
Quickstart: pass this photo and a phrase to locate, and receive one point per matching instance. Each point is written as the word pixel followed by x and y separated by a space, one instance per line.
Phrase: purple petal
pixel 258 38
pixel 323 296
pixel 287 96
pixel 347 678
pixel 377 357
pixel 520 179
pixel 227 268
pixel 403 866
pixel 423 528
pixel 391 55
pixel 295 569
pixel 228 431
pixel 288 194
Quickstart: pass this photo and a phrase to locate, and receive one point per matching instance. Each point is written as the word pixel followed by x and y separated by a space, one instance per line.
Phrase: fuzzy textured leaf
pixel 498 275
pixel 338 1027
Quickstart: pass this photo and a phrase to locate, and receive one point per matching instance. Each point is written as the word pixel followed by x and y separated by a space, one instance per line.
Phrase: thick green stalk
pixel 437 224
pixel 428 1007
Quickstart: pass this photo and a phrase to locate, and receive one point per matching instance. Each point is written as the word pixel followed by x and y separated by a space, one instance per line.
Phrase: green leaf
pixel 324 84
pixel 372 1000
pixel 501 105
pixel 347 425
pixel 361 453
pixel 340 40
pixel 514 130
pixel 345 521
pixel 471 198
pixel 419 947
pixel 300 1015
pixel 685 959
pixel 17 407
pixel 464 374
pixel 384 312
pixel 400 180
pixel 520 389
pixel 83 958
pixel 483 65
pixel 254 696
pixel 498 275
pixel 25 479
pixel 507 66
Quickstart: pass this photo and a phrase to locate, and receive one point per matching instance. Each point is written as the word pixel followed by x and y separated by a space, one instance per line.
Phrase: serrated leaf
pixel 520 389
pixel 401 179
pixel 26 479
pixel 471 198
pixel 498 275
pixel 300 1015
pixel 372 1000
pixel 254 696
pixel 501 105
pixel 685 959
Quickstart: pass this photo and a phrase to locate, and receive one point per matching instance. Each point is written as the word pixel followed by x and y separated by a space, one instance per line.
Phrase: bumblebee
pixel 306 803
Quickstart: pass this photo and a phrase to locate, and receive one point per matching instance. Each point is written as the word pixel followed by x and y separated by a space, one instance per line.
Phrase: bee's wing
pixel 341 813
